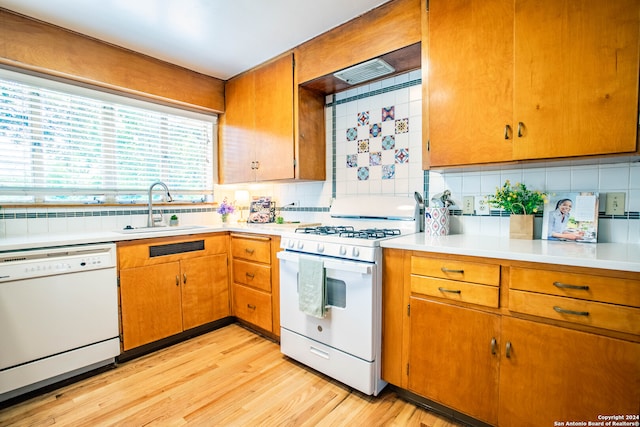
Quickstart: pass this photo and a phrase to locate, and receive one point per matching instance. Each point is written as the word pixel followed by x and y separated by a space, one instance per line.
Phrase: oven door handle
pixel 353 267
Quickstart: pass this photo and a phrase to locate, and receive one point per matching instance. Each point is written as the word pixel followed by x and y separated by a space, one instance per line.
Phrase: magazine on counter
pixel 571 217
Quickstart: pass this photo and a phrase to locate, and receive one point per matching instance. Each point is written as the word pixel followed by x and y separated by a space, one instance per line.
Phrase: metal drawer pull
pixel 184 278
pixel 507 131
pixel 250 275
pixel 249 250
pixel 251 306
pixel 576 313
pixel 520 128
pixel 566 286
pixel 446 270
pixel 177 280
pixel 494 345
pixel 451 291
pixel 508 350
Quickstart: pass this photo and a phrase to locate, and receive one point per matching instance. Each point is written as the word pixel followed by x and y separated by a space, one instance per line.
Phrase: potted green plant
pixel 173 221
pixel 522 203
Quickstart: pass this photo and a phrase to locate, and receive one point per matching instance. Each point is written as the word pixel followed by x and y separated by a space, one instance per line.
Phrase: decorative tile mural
pixel 380 144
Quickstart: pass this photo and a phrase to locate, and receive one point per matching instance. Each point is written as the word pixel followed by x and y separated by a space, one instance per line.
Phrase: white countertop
pixel 612 256
pixel 37 241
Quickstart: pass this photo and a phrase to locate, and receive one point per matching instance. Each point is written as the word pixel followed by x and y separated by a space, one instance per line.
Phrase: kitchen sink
pixel 158 229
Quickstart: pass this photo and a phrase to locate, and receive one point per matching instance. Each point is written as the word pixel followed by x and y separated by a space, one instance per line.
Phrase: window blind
pixel 62 140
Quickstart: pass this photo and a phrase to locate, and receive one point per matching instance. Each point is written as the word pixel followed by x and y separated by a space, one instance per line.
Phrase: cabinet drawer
pixel 596 314
pixel 252 274
pixel 252 249
pixel 576 285
pixel 454 290
pixel 486 274
pixel 252 306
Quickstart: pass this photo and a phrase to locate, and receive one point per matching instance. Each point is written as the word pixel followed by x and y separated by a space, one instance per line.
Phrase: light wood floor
pixel 229 377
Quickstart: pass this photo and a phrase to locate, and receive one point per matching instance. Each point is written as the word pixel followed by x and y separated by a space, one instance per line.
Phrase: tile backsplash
pixel 374 146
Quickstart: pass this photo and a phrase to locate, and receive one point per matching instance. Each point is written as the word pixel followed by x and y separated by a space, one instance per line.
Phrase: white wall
pixel 312 199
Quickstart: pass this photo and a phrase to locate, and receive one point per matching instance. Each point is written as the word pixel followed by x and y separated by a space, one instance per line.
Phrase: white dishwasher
pixel 58 315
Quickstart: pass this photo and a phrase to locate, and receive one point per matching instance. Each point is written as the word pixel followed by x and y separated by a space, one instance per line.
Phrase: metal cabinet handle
pixel 575 313
pixel 177 280
pixel 508 350
pixel 520 129
pixel 567 286
pixel 250 275
pixel 451 291
pixel 494 346
pixel 251 306
pixel 184 278
pixel 446 270
pixel 249 250
pixel 507 131
pixel 257 165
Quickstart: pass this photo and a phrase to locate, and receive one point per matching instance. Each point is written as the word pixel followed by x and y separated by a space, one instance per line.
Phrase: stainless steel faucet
pixel 150 222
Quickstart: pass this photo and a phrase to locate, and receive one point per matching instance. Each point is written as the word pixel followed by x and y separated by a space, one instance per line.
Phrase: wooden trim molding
pixel 36 46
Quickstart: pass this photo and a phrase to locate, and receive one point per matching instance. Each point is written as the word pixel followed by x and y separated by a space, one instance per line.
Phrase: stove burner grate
pixel 350 232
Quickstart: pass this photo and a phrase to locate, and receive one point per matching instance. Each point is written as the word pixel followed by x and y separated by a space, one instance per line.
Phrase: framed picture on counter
pixel 262 210
pixel 571 217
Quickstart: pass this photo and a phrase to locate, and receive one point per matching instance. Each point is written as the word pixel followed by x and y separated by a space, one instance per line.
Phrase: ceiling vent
pixel 366 71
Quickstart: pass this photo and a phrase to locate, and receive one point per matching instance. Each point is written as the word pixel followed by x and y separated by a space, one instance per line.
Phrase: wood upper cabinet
pixel 576 77
pixel 523 80
pixel 551 373
pixel 470 72
pixel 271 130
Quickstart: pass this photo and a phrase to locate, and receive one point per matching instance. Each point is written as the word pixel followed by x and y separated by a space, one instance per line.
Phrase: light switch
pixel 615 204
pixel 468 206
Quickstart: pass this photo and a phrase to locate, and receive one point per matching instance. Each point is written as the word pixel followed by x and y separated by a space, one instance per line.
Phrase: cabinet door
pixel 237 131
pixel 470 81
pixel 576 77
pixel 150 303
pixel 274 120
pixel 454 357
pixel 556 374
pixel 205 290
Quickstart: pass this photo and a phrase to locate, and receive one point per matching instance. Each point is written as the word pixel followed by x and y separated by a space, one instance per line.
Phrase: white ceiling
pixel 220 38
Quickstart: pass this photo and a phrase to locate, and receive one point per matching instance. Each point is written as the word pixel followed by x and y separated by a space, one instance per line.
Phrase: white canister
pixel 436 221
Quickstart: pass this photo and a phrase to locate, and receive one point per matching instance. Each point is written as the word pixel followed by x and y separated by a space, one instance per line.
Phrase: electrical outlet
pixel 482 207
pixel 468 205
pixel 615 204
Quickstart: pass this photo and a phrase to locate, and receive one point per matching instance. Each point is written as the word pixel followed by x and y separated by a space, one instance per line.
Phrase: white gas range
pixel 331 288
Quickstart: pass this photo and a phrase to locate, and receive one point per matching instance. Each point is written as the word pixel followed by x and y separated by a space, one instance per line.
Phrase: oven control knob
pixel 343 250
pixel 291 244
pixel 300 245
pixel 356 252
pixel 320 247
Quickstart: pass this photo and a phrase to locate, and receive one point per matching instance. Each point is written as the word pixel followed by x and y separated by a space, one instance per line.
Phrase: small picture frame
pixel 571 217
pixel 262 210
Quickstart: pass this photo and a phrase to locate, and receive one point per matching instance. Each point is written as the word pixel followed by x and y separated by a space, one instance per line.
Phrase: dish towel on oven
pixel 312 292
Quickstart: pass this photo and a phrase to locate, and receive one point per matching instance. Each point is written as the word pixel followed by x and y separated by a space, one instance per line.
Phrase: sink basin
pixel 158 229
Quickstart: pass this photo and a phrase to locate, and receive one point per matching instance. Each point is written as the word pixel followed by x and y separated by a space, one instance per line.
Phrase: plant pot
pixel 521 227
pixel 174 222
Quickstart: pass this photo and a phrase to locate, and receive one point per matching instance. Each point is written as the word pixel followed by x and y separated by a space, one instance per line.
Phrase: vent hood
pixel 365 71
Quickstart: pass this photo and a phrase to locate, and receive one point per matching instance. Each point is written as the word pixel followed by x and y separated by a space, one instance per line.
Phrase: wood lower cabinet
pixel 169 285
pixel 255 273
pixel 453 357
pixel 550 374
pixel 561 345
